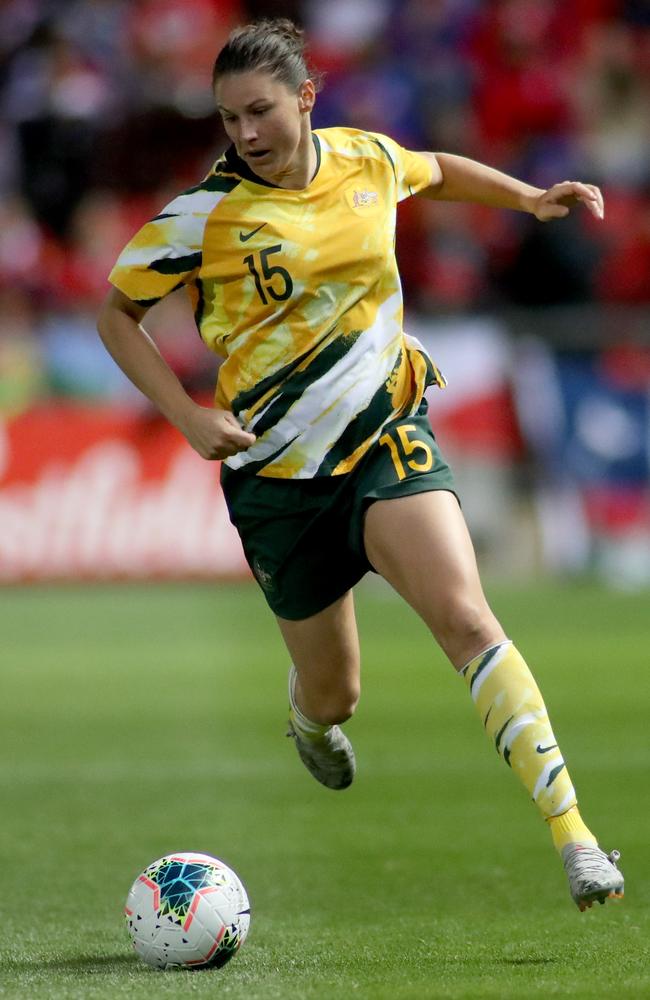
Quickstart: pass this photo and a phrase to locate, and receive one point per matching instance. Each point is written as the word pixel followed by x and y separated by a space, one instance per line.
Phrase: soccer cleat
pixel 330 758
pixel 592 874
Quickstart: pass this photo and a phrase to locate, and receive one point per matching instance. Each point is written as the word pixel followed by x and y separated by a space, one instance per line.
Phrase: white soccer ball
pixel 187 910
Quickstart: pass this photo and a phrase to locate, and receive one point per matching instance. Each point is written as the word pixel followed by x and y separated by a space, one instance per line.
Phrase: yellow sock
pixel 568 828
pixel 515 717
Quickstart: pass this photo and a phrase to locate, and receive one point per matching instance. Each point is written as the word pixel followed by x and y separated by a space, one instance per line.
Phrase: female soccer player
pixel 330 468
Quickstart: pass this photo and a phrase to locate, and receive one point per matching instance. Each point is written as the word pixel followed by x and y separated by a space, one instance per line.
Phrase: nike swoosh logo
pixel 545 749
pixel 244 237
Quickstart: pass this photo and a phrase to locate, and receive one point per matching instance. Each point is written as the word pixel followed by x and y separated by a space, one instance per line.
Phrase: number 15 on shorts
pixel 407 450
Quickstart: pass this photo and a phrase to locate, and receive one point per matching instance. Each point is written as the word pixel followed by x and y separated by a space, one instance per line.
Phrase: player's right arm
pixel 214 434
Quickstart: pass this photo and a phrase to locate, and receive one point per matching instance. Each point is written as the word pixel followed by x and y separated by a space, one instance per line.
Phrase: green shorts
pixel 303 538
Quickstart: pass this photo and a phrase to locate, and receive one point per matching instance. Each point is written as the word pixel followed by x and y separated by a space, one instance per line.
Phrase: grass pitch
pixel 139 721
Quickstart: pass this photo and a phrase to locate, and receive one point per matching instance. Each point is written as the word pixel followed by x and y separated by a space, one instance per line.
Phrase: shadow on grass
pixel 526 961
pixel 95 964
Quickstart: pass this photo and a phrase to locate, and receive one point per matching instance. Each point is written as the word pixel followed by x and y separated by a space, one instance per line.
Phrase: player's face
pixel 267 121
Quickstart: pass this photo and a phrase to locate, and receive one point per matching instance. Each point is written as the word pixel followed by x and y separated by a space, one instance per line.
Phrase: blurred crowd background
pixel 106 112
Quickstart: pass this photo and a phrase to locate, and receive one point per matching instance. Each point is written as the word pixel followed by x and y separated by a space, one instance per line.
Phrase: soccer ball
pixel 187 910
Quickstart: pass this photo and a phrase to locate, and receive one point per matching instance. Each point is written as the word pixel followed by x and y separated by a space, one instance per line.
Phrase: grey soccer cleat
pixel 592 874
pixel 330 758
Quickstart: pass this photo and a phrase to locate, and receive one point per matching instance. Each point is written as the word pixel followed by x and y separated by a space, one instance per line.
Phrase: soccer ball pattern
pixel 187 910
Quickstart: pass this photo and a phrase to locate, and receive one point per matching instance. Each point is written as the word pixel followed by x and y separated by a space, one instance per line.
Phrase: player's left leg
pixel 421 545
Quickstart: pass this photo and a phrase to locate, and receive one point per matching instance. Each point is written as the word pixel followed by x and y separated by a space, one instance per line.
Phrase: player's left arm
pixel 457 178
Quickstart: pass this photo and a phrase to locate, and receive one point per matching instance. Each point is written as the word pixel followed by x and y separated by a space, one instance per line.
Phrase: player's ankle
pixel 306 728
pixel 570 828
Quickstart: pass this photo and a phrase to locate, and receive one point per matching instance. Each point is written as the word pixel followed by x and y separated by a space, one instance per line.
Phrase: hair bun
pixel 286 29
pixel 273 45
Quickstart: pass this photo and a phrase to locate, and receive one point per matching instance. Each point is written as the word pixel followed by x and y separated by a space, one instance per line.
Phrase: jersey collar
pixel 239 166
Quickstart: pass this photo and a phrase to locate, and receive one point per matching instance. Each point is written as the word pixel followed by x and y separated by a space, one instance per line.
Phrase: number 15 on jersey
pixel 270 279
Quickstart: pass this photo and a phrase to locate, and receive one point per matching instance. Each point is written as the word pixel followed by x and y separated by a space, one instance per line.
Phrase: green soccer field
pixel 140 721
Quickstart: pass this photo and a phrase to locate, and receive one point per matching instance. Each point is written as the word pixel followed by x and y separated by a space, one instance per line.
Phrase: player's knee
pixel 467 629
pixel 337 705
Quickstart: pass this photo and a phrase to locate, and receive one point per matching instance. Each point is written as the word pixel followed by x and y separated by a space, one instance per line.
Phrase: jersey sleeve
pixel 166 253
pixel 412 171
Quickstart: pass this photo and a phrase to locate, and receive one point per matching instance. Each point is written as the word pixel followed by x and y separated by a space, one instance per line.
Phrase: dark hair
pixel 275 46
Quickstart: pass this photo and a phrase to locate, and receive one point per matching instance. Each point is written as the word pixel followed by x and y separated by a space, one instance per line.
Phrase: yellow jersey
pixel 299 292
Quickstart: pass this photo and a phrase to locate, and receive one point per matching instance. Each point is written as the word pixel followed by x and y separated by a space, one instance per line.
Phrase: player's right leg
pixel 324 686
pixel 294 535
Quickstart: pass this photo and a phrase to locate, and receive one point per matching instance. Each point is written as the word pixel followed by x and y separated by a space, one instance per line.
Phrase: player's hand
pixel 557 201
pixel 215 434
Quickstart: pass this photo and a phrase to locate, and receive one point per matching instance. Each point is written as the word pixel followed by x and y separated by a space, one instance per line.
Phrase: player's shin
pixel 324 750
pixel 515 718
pixel 302 725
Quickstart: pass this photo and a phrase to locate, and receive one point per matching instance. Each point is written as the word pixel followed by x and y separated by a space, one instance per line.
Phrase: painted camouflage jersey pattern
pixel 299 292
